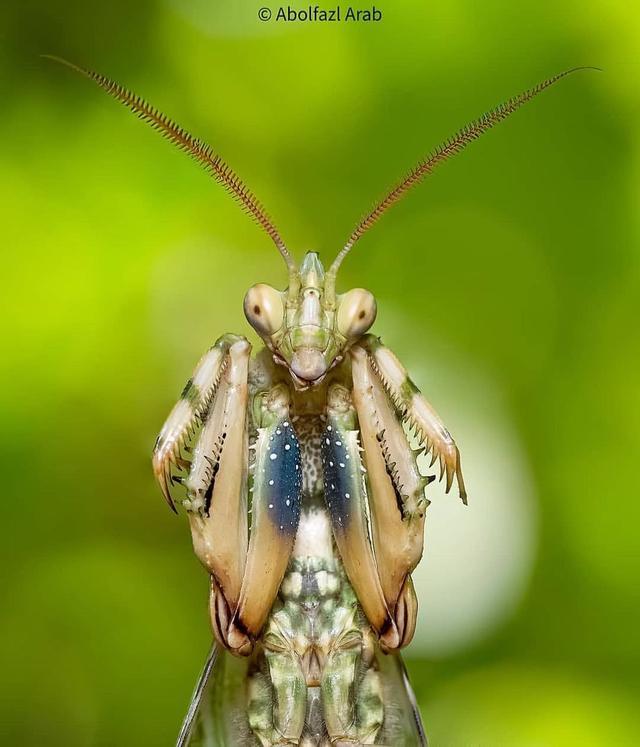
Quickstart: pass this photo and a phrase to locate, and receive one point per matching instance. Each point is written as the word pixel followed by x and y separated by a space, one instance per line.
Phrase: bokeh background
pixel 508 283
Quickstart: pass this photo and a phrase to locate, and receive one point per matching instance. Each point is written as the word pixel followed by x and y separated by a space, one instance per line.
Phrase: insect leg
pixel 277 700
pixel 217 491
pixel 277 691
pixel 340 678
pixel 260 707
pixel 346 499
pixel 275 512
pixel 290 695
pixel 370 707
pixel 414 409
pixel 396 496
pixel 188 413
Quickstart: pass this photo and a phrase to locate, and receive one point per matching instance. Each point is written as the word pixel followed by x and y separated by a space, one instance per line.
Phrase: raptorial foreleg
pixel 246 571
pixel 396 494
pixel 217 494
pixel 346 498
pixel 385 399
pixel 275 511
pixel 414 409
pixel 187 414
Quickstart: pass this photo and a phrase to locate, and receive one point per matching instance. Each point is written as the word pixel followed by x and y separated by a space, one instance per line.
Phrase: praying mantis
pixel 298 471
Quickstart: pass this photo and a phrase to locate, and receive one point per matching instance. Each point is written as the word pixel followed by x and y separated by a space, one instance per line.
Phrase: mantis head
pixel 308 327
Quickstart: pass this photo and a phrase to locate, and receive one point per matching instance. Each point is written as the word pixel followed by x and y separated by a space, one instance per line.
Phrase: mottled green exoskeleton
pixel 298 471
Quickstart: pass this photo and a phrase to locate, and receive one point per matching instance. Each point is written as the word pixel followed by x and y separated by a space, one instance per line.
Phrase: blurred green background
pixel 514 269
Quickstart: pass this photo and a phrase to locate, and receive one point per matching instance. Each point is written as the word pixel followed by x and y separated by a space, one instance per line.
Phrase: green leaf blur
pixel 123 262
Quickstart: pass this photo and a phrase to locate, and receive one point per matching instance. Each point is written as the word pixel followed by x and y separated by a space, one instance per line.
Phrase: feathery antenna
pixel 197 149
pixel 444 151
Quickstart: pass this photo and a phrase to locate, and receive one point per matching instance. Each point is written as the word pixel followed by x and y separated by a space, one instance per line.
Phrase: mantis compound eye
pixel 356 313
pixel 264 309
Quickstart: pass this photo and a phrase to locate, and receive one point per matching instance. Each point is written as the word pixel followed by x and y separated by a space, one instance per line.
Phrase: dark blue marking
pixel 339 476
pixel 283 468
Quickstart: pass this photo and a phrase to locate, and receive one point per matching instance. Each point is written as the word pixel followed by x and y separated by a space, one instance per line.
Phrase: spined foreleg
pixel 217 495
pixel 275 510
pixel 413 409
pixel 188 413
pixel 245 571
pixel 347 502
pixel 395 485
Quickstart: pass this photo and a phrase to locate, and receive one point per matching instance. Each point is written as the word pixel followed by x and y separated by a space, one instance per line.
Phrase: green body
pixel 318 660
pixel 313 594
pixel 322 597
pixel 317 668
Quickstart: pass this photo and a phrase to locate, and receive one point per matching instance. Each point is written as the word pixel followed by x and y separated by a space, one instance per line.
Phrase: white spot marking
pixel 273 455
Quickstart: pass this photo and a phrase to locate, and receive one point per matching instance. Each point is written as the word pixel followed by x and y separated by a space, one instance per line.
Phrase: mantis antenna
pixel 446 150
pixel 197 149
